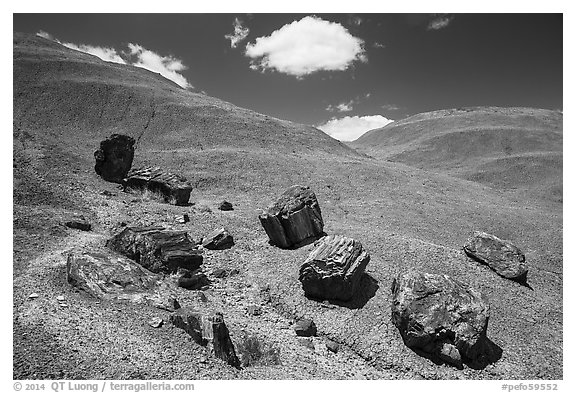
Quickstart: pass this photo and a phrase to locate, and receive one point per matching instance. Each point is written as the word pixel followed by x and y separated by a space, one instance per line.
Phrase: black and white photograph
pixel 202 196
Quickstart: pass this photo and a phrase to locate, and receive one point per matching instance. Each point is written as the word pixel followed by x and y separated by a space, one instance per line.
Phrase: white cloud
pixel 440 22
pixel 239 35
pixel 106 54
pixel 378 45
pixel 306 46
pixel 341 107
pixel 350 128
pixel 167 66
pixel 43 34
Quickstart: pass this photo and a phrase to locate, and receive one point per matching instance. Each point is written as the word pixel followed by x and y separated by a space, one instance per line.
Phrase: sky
pixel 343 73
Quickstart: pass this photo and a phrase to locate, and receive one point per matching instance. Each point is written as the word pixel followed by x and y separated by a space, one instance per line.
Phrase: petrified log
pixel 500 255
pixel 105 275
pixel 207 330
pixel 293 218
pixel 174 189
pixel 114 157
pixel 78 222
pixel 334 268
pixel 157 249
pixel 219 239
pixel 439 315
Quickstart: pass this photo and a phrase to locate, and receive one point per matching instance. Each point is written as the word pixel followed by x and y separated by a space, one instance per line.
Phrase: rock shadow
pixel 367 288
pixel 490 353
pixel 303 243
pixel 522 280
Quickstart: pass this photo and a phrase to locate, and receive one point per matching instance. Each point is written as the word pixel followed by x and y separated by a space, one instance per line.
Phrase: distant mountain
pixel 505 148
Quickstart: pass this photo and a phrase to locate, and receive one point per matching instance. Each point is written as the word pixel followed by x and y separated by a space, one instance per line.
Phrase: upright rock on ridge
pixel 293 218
pixel 207 330
pixel 500 255
pixel 441 316
pixel 157 249
pixel 333 269
pixel 114 157
pixel 174 189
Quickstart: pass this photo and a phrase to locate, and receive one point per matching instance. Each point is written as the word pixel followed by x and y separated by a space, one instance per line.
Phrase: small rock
pixel 219 239
pixel 305 328
pixel 33 295
pixel 450 354
pixel 220 273
pixel 183 219
pixel 234 272
pixel 156 322
pixel 254 310
pixel 108 193
pixel 332 346
pixel 63 305
pixel 195 279
pixel 60 298
pixel 78 223
pixel 225 206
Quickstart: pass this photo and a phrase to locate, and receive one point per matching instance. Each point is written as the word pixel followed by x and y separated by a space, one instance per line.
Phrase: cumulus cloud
pixel 341 107
pixel 167 66
pixel 106 54
pixel 350 128
pixel 391 107
pixel 239 35
pixel 378 45
pixel 440 21
pixel 306 46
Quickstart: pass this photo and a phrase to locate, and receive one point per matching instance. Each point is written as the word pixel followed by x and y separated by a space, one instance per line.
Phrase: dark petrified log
pixel 293 218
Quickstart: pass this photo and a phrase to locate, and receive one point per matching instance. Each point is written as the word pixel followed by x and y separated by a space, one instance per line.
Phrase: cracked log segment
pixel 173 188
pixel 334 268
pixel 293 218
pixel 157 249
pixel 440 316
pixel 114 157
pixel 108 276
pixel 207 329
pixel 500 255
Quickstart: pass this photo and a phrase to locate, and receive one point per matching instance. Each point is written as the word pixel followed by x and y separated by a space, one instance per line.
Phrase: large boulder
pixel 207 329
pixel 172 188
pixel 157 249
pixel 106 275
pixel 293 218
pixel 114 157
pixel 440 316
pixel 500 255
pixel 334 268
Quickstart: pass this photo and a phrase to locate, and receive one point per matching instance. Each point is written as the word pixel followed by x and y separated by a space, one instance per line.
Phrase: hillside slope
pixel 65 102
pixel 505 148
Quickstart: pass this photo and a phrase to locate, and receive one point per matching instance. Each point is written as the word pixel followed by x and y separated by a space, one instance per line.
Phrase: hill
pixel 505 148
pixel 65 102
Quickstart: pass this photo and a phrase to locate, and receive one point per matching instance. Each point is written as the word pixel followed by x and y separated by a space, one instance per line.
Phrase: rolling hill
pixel 505 148
pixel 66 102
